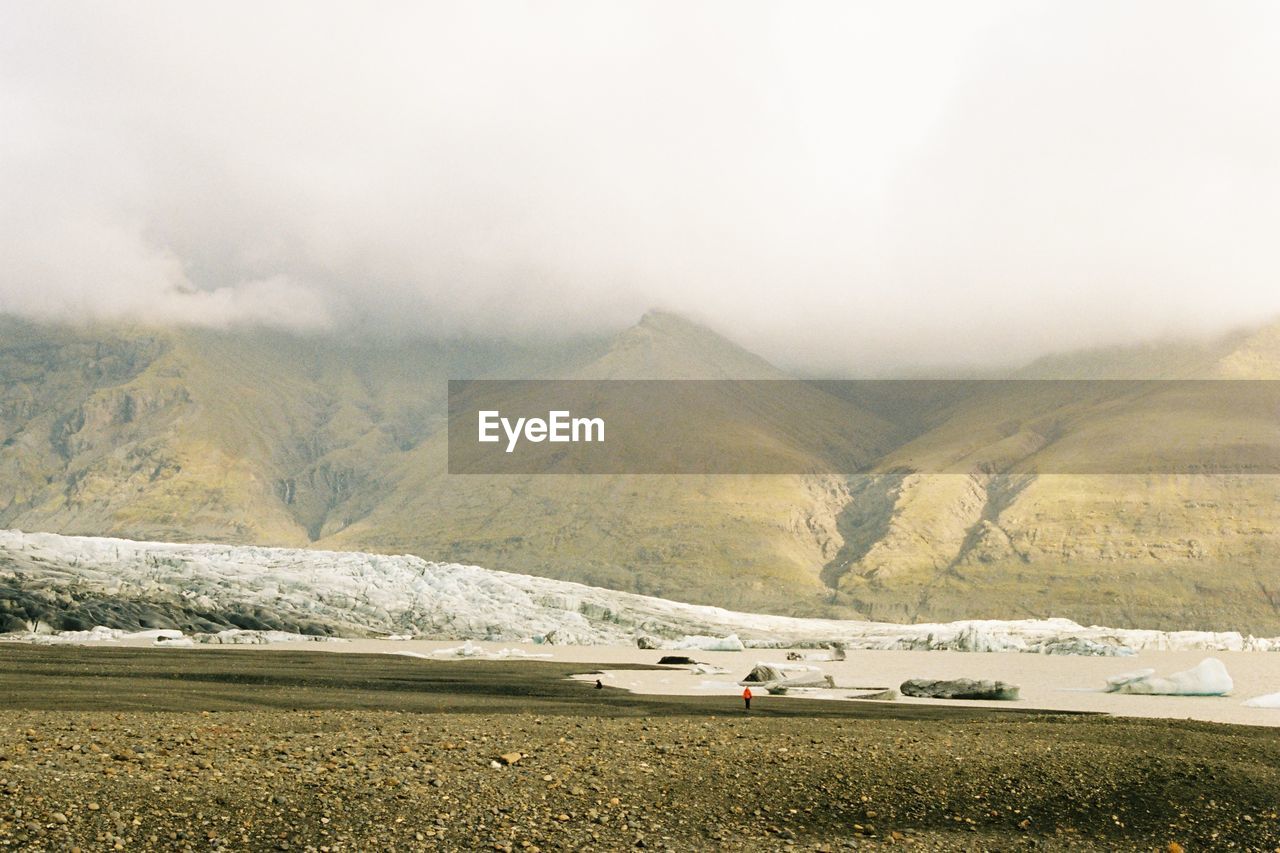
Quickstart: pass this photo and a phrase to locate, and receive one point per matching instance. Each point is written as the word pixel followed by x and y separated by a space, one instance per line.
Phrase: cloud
pixel 845 187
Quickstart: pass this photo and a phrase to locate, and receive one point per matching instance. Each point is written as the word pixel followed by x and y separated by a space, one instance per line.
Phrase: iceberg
pixel 730 643
pixel 243 637
pixel 471 650
pixel 1208 678
pixel 959 688
pixel 780 677
pixel 765 671
pixel 1270 700
pixel 708 669
pixel 99 634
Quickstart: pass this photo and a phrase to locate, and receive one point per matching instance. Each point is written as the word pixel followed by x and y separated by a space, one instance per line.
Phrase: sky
pixel 842 187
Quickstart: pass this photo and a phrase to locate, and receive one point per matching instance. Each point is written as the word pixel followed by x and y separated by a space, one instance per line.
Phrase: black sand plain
pixel 250 749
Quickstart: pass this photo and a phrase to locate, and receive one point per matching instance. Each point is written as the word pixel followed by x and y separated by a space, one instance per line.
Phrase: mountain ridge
pixel 249 437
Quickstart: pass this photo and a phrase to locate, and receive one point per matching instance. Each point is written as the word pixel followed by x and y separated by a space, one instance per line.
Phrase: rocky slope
pixel 1021 533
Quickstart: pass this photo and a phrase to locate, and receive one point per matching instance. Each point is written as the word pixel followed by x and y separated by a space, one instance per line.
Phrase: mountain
pixel 258 437
pixel 750 542
pixel 230 436
pixel 1026 534
pixel 325 441
pixel 666 346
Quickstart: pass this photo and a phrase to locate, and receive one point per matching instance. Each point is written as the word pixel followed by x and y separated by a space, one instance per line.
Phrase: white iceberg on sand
pixel 780 677
pixel 471 650
pixel 708 669
pixel 1207 678
pixel 730 643
pixel 253 637
pixel 99 634
pixel 1270 700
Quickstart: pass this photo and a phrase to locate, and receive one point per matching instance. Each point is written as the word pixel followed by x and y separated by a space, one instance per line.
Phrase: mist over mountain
pixel 264 437
pixel 843 188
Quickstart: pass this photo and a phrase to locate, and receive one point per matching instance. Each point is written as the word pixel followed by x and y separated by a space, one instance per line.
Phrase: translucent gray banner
pixel 859 426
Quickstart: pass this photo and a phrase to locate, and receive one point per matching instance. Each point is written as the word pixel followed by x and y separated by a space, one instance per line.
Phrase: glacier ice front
pixel 245 593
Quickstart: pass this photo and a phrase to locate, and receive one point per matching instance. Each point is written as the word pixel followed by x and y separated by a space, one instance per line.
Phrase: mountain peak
pixel 657 318
pixel 663 345
pixel 1257 356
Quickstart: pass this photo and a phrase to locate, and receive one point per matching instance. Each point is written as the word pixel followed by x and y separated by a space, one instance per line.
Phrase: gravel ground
pixel 596 770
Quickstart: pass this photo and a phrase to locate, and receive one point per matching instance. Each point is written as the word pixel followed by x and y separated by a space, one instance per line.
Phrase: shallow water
pixel 1060 683
pixel 1049 682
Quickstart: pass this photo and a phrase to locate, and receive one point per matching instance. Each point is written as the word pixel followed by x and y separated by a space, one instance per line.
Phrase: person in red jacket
pixel 746 698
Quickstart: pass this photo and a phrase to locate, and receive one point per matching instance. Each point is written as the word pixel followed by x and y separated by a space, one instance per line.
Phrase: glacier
pixel 242 593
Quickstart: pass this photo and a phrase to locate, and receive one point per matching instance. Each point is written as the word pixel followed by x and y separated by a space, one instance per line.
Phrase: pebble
pixel 359 780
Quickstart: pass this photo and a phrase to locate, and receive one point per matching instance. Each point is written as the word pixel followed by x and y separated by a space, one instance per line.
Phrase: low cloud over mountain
pixel 837 187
